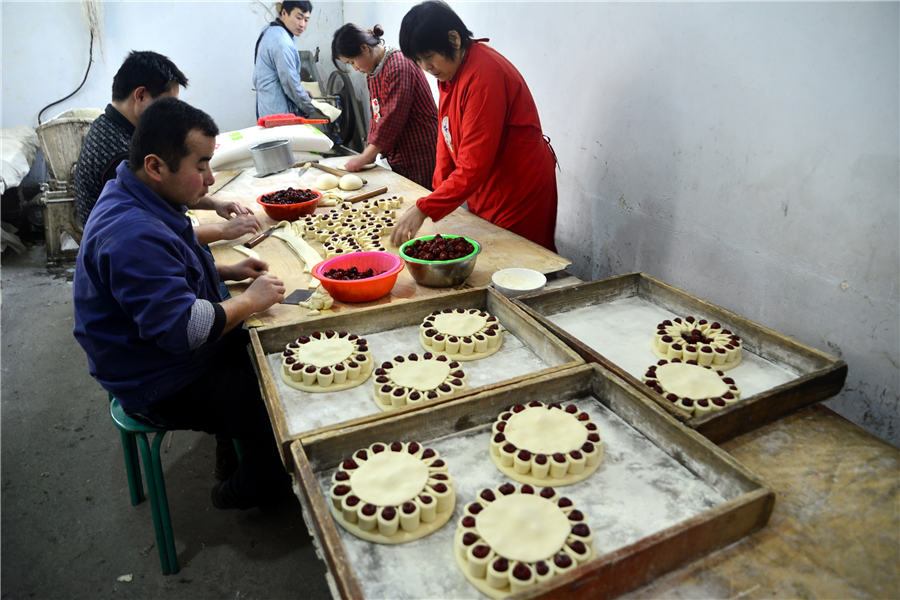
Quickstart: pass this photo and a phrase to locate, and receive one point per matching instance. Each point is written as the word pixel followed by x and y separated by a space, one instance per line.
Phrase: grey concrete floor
pixel 68 527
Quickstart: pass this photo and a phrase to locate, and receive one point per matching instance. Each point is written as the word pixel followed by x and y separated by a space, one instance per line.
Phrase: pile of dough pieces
pixel 351 227
pixel 348 182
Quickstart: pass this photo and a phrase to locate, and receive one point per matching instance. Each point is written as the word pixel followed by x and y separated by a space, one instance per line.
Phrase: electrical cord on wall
pixel 81 85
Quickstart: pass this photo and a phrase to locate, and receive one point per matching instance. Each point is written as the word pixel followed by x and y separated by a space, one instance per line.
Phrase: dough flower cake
pixel 510 538
pixel 326 361
pixel 545 444
pixel 352 228
pixel 392 493
pixel 413 379
pixel 693 389
pixel 461 334
pixel 691 339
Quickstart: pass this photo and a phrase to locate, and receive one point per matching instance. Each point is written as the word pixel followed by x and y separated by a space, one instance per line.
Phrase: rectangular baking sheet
pixel 612 322
pixel 662 496
pixel 527 351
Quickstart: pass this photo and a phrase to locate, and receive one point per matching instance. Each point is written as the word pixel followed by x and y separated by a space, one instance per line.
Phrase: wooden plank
pixel 747 507
pixel 325 530
pixel 223 178
pixel 630 567
pixel 500 248
pixel 267 388
pixel 821 375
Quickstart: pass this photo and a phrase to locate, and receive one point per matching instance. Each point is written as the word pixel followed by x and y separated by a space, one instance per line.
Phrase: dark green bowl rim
pixel 426 238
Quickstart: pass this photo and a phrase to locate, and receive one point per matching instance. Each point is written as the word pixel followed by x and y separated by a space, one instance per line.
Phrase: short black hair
pixel 303 5
pixel 348 40
pixel 425 29
pixel 149 69
pixel 163 129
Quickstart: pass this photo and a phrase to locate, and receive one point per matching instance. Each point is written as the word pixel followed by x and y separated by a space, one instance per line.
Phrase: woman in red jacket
pixel 491 152
pixel 404 118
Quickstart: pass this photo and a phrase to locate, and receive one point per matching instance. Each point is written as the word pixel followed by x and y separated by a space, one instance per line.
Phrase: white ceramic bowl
pixel 517 281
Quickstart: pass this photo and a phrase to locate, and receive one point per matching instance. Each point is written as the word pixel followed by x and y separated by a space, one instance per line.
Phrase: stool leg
pixel 163 501
pixel 238 448
pixel 132 467
pixel 161 543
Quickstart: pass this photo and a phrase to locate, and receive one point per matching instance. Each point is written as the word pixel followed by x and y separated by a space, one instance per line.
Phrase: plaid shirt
pixel 404 121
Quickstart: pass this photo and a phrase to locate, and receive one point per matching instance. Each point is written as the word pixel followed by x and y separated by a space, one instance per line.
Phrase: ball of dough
pixel 350 182
pixel 326 181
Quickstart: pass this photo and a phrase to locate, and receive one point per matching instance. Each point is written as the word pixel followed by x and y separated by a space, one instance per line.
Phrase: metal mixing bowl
pixel 440 273
pixel 272 157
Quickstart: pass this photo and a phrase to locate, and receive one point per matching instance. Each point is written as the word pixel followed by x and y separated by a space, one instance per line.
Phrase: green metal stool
pixel 134 436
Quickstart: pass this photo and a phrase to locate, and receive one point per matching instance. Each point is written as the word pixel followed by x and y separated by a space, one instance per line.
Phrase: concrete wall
pixel 45 52
pixel 746 152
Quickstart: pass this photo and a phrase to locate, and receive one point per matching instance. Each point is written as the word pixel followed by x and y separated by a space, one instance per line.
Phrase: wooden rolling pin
pixel 365 195
pixel 335 172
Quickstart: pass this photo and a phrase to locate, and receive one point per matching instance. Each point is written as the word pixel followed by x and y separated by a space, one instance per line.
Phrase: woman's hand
pixel 368 155
pixel 238 226
pixel 227 209
pixel 249 267
pixel 354 164
pixel 407 225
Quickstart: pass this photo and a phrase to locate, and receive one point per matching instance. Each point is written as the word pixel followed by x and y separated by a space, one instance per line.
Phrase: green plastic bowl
pixel 440 273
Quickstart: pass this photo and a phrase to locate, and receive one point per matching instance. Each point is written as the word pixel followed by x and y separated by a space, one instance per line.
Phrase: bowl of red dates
pixel 289 204
pixel 359 276
pixel 440 260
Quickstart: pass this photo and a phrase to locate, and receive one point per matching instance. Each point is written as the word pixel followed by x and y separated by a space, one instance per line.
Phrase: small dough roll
pixel 350 182
pixel 326 181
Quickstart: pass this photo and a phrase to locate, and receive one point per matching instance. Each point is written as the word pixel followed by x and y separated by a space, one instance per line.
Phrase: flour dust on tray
pixel 326 361
pixel 512 538
pixel 411 380
pixel 391 493
pixel 461 334
pixel 693 389
pixel 688 338
pixel 545 444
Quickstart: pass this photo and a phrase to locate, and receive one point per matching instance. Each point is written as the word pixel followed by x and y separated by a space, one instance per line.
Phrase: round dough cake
pixel 326 361
pixel 693 389
pixel 691 339
pixel 461 334
pixel 392 493
pixel 510 539
pixel 546 444
pixel 413 379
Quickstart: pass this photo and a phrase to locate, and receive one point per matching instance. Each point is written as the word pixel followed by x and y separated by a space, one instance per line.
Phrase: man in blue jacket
pixel 148 310
pixel 276 70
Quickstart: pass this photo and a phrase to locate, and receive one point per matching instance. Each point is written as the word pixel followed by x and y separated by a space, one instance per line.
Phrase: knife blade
pixel 256 240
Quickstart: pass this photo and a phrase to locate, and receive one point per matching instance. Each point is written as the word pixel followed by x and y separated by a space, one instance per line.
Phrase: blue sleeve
pixel 149 279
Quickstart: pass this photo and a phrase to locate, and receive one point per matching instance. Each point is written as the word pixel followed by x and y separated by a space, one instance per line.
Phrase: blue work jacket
pixel 139 272
pixel 276 75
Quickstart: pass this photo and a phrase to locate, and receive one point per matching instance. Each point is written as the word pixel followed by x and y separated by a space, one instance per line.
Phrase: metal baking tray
pixel 662 497
pixel 612 322
pixel 528 350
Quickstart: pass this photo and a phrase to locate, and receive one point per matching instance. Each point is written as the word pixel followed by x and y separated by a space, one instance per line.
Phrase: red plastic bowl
pixel 290 212
pixel 387 265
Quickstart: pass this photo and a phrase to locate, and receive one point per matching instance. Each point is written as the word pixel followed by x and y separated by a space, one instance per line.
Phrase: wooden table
pixel 835 529
pixel 500 248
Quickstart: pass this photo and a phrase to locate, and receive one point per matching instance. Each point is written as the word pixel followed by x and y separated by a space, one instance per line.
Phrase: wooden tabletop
pixel 500 248
pixel 835 529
